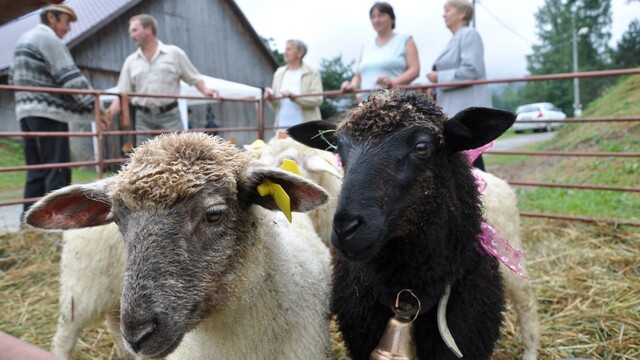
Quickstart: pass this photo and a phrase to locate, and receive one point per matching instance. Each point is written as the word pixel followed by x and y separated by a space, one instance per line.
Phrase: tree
pixel 627 53
pixel 333 73
pixel 270 43
pixel 507 96
pixel 556 21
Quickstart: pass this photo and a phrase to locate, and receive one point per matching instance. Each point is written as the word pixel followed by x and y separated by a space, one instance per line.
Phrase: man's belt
pixel 158 109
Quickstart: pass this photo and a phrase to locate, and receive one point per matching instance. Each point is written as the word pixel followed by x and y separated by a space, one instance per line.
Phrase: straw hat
pixel 63 9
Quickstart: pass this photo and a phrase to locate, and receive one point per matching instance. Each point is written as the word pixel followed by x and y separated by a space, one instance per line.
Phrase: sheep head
pixel 313 164
pixel 402 168
pixel 184 207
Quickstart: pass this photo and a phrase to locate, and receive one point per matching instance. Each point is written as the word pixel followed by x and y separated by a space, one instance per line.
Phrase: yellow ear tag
pixel 258 144
pixel 280 196
pixel 290 166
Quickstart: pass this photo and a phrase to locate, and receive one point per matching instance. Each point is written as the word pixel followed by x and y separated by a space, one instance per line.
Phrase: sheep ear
pixel 318 164
pixel 317 134
pixel 476 126
pixel 72 207
pixel 304 195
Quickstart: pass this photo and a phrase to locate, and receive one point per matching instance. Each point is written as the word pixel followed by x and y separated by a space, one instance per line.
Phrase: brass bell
pixel 397 341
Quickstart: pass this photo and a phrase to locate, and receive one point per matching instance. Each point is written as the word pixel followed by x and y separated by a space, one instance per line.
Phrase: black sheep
pixel 409 217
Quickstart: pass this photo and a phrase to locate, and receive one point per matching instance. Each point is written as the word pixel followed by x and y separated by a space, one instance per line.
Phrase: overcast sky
pixel 334 27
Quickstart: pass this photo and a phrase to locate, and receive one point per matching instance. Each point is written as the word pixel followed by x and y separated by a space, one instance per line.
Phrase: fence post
pixel 99 134
pixel 260 118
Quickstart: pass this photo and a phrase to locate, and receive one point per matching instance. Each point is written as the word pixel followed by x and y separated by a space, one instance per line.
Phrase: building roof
pixel 92 16
pixel 12 9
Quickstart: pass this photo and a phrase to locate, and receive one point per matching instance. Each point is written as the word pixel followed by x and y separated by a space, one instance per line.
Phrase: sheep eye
pixel 422 149
pixel 213 215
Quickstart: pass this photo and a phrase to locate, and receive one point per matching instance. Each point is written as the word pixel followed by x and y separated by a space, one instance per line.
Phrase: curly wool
pixel 277 146
pixel 386 111
pixel 171 168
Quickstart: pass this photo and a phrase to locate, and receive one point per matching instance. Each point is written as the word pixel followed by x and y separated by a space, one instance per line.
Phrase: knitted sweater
pixel 41 59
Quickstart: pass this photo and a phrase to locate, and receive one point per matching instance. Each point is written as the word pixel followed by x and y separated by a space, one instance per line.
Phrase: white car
pixel 538 111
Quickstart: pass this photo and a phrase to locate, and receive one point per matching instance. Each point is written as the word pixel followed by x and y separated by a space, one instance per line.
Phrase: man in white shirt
pixel 155 68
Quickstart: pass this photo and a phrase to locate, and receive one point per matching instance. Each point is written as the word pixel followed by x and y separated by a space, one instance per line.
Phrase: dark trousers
pixel 45 150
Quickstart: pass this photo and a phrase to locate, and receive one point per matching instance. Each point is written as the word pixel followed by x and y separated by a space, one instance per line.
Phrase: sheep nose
pixel 345 225
pixel 138 335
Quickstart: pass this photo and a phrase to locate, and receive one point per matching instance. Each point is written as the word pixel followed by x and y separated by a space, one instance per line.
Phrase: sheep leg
pixel 68 328
pixel 521 296
pixel 65 338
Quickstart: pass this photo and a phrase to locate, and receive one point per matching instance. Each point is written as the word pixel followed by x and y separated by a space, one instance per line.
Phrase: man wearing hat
pixel 41 59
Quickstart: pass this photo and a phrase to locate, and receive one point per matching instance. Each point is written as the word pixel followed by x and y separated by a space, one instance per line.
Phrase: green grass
pixel 12 182
pixel 591 203
pixel 623 99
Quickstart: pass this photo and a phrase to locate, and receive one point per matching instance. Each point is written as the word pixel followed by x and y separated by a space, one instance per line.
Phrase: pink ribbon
pixel 473 154
pixel 490 240
pixel 500 248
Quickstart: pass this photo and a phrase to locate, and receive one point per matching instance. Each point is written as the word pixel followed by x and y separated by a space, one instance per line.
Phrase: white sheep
pixel 500 209
pixel 92 267
pixel 207 273
pixel 316 165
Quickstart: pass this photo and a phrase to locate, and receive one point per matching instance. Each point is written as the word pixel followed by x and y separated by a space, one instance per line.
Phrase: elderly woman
pixel 293 79
pixel 461 60
pixel 389 60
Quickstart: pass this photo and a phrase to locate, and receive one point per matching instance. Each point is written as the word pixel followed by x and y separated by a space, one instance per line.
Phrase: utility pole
pixel 577 106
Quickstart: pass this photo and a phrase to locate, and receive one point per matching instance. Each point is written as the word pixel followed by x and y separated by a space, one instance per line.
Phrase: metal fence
pixel 260 128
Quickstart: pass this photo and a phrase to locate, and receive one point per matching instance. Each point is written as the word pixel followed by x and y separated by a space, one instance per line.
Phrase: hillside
pixel 585 275
pixel 622 99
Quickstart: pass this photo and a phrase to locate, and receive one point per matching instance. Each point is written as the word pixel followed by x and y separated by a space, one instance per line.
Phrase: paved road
pixel 521 140
pixel 10 218
pixel 10 215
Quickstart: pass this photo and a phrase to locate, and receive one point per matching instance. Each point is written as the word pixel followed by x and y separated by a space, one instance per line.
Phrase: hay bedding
pixel 586 277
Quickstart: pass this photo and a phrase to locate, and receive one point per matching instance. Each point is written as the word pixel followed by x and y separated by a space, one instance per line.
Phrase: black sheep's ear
pixel 476 126
pixel 317 134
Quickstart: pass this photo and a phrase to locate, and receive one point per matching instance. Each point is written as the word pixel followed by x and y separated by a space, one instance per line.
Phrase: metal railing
pixel 564 76
pixel 260 129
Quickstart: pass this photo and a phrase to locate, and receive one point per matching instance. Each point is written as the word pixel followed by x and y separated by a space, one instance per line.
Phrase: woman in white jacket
pixel 293 79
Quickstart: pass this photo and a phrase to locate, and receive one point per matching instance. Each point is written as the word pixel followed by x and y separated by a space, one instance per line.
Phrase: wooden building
pixel 215 34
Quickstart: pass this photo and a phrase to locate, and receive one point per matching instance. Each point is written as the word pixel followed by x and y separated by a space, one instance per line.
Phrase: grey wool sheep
pixel 409 216
pixel 210 270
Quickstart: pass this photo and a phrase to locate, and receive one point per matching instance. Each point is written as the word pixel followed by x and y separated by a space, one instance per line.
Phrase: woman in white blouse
pixel 388 60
